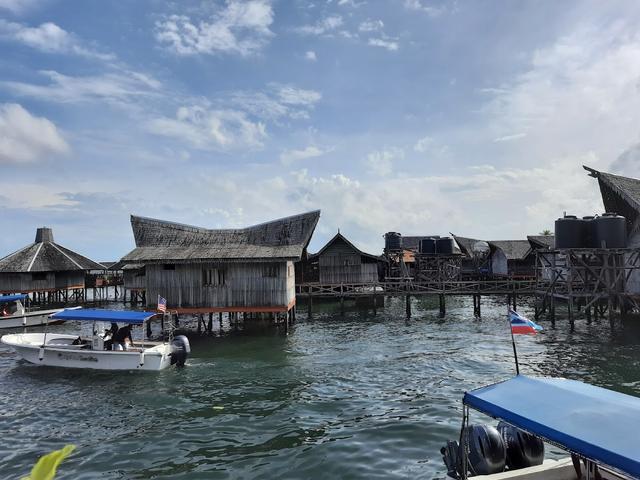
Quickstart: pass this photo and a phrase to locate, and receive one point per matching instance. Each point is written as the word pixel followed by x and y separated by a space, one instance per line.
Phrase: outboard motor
pixel 180 350
pixel 523 449
pixel 486 455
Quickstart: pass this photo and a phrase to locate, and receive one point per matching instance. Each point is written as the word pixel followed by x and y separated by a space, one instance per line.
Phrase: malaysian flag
pixel 162 304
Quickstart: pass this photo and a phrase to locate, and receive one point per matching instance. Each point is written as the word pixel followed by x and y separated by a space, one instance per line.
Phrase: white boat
pixel 598 427
pixel 76 351
pixel 14 313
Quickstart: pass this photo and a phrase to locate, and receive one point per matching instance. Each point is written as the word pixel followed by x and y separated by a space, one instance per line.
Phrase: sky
pixel 418 116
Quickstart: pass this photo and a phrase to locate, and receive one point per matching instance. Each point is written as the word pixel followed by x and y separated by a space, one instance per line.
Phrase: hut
pixel 340 261
pixel 200 270
pixel 46 267
pixel 622 196
pixel 515 258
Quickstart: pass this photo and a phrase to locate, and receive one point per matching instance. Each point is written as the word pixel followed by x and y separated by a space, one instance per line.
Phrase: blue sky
pixel 418 116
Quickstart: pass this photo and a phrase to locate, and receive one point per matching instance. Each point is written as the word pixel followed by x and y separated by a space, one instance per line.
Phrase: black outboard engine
pixel 486 452
pixel 523 449
pixel 180 350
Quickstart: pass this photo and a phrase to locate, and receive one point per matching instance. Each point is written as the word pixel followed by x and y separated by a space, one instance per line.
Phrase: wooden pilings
pixel 476 306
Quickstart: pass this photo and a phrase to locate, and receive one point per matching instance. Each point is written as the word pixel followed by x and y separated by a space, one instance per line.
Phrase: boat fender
pixel 142 358
pixel 487 453
pixel 523 449
pixel 180 349
pixel 41 353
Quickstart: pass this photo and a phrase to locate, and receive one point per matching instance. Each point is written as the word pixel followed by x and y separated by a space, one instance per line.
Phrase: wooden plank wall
pixel 135 279
pixel 246 285
pixel 25 282
pixel 339 263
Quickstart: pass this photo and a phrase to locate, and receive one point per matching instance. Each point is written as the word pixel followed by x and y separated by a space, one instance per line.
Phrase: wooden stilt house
pixel 201 270
pixel 45 266
pixel 340 261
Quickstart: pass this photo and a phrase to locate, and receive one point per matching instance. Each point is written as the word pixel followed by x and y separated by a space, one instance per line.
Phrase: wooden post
pixel 570 307
pixel 408 305
pixel 588 312
pixel 310 304
pixel 443 306
pixel 210 324
pixel 200 322
pixel 220 320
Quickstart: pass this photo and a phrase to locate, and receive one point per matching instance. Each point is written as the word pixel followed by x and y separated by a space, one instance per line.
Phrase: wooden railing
pixel 452 287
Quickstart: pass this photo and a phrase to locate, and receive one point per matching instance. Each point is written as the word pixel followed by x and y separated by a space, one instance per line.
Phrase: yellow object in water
pixel 47 465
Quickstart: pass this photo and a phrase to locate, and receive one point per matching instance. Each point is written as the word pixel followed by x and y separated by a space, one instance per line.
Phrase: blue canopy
pixel 94 315
pixel 13 298
pixel 594 422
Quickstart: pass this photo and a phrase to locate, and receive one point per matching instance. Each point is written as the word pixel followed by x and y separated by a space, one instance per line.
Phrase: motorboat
pixel 97 351
pixel 598 427
pixel 15 312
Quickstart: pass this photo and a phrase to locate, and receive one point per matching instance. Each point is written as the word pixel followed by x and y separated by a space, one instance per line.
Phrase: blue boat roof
pixel 12 298
pixel 597 423
pixel 95 315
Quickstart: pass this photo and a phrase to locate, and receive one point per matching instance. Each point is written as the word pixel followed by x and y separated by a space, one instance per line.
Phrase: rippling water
pixel 342 396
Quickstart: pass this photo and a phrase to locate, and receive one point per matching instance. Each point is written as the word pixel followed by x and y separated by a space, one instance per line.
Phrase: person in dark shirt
pixel 108 336
pixel 122 338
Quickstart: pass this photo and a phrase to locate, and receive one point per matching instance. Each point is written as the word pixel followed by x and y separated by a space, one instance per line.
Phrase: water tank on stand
pixel 589 231
pixel 427 246
pixel 610 231
pixel 571 232
pixel 444 246
pixel 392 241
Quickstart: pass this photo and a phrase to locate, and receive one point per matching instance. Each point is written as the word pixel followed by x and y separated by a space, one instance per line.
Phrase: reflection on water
pixel 353 396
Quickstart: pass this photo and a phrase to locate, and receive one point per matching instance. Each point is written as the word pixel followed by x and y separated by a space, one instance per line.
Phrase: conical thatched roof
pixel 159 241
pixel 44 255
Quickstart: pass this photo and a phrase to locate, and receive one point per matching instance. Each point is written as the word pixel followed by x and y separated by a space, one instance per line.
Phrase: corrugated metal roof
pixel 159 241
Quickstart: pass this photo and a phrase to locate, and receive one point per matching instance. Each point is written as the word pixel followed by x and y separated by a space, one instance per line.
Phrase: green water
pixel 354 396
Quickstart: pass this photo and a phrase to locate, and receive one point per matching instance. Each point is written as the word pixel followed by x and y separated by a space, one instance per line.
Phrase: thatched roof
pixel 338 237
pixel 513 249
pixel 44 255
pixel 620 195
pixel 159 241
pixel 542 241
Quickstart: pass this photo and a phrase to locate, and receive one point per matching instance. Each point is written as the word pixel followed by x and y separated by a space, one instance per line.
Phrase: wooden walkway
pixel 390 288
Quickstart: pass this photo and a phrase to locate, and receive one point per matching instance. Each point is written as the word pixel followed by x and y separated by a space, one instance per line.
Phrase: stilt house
pixel 201 270
pixel 44 266
pixel 514 258
pixel 340 261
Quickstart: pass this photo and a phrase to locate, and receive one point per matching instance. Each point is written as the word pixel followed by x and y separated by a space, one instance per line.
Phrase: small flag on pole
pixel 520 324
pixel 162 304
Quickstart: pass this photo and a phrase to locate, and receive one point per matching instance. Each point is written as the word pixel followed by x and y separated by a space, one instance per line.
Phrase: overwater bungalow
pixel 340 261
pixel 200 270
pixel 47 269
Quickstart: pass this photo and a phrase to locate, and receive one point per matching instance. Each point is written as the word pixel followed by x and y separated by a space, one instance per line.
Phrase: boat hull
pixel 58 352
pixel 28 319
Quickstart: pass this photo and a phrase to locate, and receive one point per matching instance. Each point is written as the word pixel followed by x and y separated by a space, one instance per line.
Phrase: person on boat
pixel 122 338
pixel 108 336
pixel 5 311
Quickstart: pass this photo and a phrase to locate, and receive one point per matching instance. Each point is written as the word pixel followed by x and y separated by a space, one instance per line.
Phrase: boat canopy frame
pixel 13 298
pixel 596 424
pixel 99 315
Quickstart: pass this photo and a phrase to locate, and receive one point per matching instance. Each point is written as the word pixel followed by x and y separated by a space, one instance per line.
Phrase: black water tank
pixel 589 231
pixel 392 241
pixel 427 246
pixel 610 231
pixel 444 246
pixel 571 232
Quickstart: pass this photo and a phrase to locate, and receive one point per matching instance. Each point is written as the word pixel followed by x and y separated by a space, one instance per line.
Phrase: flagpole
pixel 513 340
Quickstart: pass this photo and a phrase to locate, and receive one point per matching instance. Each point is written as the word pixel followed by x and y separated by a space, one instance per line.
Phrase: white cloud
pixel 290 156
pixel 509 138
pixel 206 129
pixel 322 27
pixel 423 6
pixel 381 161
pixel 371 26
pixel 48 37
pixel 277 101
pixel 240 27
pixel 26 138
pixel 118 87
pixel 390 45
pixel 18 7
pixel 311 56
